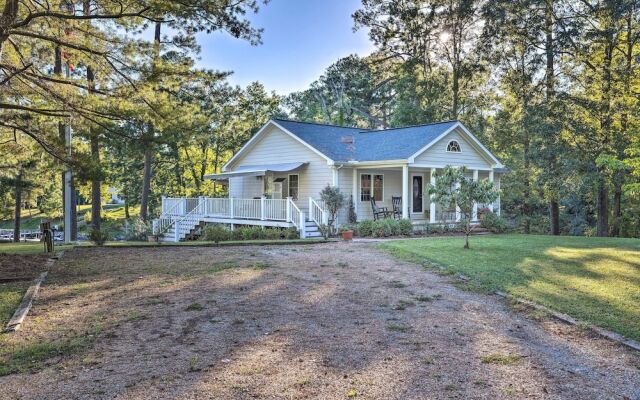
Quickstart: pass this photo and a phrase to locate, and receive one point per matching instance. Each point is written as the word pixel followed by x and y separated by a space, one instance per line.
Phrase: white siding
pixel 276 147
pixel 437 154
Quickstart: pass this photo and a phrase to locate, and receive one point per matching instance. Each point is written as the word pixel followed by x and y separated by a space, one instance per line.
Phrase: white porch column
pixel 458 213
pixel 354 190
pixel 405 191
pixel 475 205
pixel 432 204
pixel 491 176
pixel 262 199
pixel 335 176
pixel 498 203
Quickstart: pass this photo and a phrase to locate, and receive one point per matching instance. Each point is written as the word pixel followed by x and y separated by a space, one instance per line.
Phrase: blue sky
pixel 301 38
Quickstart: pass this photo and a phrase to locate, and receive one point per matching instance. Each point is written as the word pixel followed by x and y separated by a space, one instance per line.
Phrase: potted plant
pixel 346 232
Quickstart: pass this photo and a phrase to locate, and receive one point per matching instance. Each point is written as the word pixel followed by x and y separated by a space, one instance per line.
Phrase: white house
pixel 276 178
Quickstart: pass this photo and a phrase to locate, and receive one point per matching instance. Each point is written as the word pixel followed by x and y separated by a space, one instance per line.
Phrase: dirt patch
pixel 21 266
pixel 340 320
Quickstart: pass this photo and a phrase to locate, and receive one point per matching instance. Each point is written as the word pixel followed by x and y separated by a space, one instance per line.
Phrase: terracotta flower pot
pixel 347 235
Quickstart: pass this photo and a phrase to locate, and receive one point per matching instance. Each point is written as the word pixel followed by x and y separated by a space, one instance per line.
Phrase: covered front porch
pixel 407 184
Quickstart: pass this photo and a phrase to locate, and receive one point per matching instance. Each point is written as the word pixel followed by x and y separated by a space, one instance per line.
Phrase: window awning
pixel 255 170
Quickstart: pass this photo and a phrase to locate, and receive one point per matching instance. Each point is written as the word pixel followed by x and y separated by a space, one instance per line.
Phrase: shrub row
pixel 219 233
pixel 384 228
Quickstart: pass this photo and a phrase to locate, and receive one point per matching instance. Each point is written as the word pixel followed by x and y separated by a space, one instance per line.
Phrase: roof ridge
pixel 321 124
pixel 410 126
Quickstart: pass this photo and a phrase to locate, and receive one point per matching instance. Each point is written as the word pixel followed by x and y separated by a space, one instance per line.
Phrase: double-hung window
pixel 294 182
pixel 371 185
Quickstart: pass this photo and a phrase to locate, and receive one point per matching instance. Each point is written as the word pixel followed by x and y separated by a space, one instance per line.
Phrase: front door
pixel 277 190
pixel 416 196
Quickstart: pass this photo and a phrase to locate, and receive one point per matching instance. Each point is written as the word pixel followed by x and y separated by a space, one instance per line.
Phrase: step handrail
pixel 168 221
pixel 317 213
pixel 296 217
pixel 189 216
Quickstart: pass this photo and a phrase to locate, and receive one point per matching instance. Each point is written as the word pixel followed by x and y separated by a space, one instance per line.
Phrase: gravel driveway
pixel 327 321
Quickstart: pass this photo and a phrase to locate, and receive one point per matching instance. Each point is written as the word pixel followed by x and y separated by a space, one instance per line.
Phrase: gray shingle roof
pixel 368 145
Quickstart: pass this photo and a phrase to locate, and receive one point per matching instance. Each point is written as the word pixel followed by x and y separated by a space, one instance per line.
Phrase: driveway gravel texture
pixel 328 321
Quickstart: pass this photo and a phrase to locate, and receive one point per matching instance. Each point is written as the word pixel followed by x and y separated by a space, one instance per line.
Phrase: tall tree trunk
pixel 554 207
pixel 18 208
pixel 148 151
pixel 616 229
pixel 605 126
pixel 126 207
pixel 146 183
pixel 621 141
pixel 526 208
pixel 96 198
pixel 9 15
pixel 603 207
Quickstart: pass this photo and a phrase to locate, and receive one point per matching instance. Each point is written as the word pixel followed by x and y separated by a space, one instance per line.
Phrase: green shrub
pixel 406 227
pixel 494 223
pixel 98 237
pixel 216 233
pixel 273 234
pixel 252 233
pixel 291 234
pixel 381 228
pixel 139 230
pixel 365 228
pixel 392 226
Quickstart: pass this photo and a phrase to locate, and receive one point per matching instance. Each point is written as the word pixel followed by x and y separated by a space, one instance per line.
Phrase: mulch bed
pixel 19 267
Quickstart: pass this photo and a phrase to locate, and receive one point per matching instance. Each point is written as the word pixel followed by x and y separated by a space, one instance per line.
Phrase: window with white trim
pixel 371 185
pixel 454 147
pixel 294 182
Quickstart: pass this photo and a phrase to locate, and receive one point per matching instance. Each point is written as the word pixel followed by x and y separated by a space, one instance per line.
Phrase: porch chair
pixel 396 202
pixel 379 211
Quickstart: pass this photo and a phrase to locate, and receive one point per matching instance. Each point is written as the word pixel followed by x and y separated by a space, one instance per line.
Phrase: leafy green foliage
pixel 494 223
pixel 385 228
pixel 219 233
pixel 454 188
pixel 333 201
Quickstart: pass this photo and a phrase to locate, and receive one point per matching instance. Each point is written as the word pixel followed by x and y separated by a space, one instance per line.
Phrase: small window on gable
pixel 453 146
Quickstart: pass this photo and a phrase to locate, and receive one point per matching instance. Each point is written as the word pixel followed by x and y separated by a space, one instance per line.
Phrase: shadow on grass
pixel 592 279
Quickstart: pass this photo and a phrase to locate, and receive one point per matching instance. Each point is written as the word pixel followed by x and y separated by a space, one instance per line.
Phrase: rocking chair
pixel 396 202
pixel 379 211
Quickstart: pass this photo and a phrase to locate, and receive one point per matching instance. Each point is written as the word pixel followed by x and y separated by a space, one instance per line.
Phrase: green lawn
pixel 10 296
pixel 29 248
pixel 593 279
